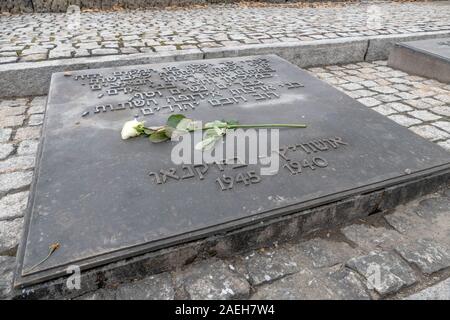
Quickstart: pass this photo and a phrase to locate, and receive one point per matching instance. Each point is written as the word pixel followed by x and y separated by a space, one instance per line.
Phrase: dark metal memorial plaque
pixel 428 58
pixel 104 199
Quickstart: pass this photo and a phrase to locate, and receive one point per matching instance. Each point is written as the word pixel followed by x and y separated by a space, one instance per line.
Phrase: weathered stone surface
pixel 37 105
pixel 384 271
pixel 426 254
pixel 439 291
pixel 101 294
pixel 36 120
pixel 19 163
pixel 443 125
pixel 325 253
pixel 27 147
pixel 10 232
pixel 404 222
pixel 12 111
pixel 15 180
pixel 369 238
pixel 13 205
pixel 427 58
pixel 5 150
pixel 27 133
pixel 404 120
pixel 346 284
pixel 5 134
pixel 303 285
pixel 211 279
pixel 157 287
pixel 433 207
pixel 269 265
pixel 430 132
pixel 424 115
pixel 7 265
pixel 308 285
pixel 445 144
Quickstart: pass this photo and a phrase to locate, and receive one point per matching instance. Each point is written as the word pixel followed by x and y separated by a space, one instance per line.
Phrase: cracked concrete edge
pixel 290 227
pixel 33 78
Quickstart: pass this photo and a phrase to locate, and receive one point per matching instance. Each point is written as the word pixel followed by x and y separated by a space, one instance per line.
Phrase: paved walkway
pixel 387 255
pixel 35 37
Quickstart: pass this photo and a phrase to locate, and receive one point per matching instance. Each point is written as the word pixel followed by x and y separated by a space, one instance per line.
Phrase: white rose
pixel 129 129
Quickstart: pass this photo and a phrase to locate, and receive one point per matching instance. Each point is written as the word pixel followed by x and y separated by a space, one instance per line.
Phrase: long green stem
pixel 264 125
pixel 272 125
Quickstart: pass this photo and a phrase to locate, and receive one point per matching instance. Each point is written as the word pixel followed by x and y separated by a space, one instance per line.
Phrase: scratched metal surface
pixel 93 194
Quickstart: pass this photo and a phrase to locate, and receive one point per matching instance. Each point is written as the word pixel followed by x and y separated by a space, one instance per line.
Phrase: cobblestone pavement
pixel 387 255
pixel 34 37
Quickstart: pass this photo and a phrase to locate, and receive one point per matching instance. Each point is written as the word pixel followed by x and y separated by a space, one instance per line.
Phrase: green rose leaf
pixel 174 120
pixel 231 122
pixel 147 131
pixel 207 143
pixel 215 123
pixel 184 124
pixel 158 136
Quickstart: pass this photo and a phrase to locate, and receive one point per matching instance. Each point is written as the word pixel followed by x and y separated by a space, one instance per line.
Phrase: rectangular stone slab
pixel 427 58
pixel 92 192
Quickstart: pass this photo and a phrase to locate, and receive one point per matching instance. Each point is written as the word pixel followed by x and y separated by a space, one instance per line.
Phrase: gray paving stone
pixel 443 97
pixel 405 222
pixel 385 110
pixel 104 51
pixel 443 125
pixel 441 110
pixel 36 120
pixel 211 279
pixel 13 205
pixel 37 105
pixel 309 285
pixel 26 133
pixel 369 238
pixel 445 144
pixel 37 33
pixel 27 147
pixel 387 98
pixel 101 294
pixel 369 102
pixel 404 120
pixel 10 232
pixel 384 271
pixel 430 132
pixel 7 265
pixel 418 104
pixel 428 255
pixel 347 284
pixel 34 57
pixel 424 115
pixel 5 134
pixel 434 208
pixel 326 253
pixel 12 111
pixel 269 265
pixel 4 60
pixel 303 285
pixel 15 180
pixel 11 121
pixel 384 89
pixel 439 291
pixel 17 163
pixel 400 107
pixel 157 287
pixel 351 86
pixel 5 150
